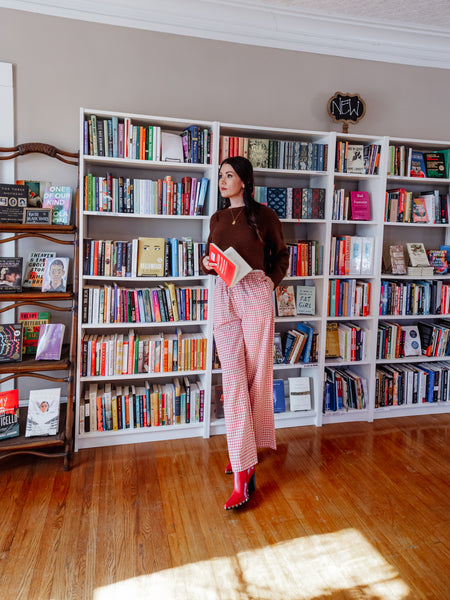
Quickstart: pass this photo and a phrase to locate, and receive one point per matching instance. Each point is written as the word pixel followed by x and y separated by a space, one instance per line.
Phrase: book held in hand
pixel 43 412
pixel 50 341
pixel 10 275
pixel 231 267
pixel 9 414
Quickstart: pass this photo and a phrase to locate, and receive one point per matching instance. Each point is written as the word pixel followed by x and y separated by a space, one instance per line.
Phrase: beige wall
pixel 62 64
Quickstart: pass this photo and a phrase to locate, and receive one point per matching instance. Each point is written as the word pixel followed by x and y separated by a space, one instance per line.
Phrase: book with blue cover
pixel 277 200
pixel 279 402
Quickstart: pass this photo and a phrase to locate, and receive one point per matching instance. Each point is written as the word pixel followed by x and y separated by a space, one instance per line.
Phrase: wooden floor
pixel 355 511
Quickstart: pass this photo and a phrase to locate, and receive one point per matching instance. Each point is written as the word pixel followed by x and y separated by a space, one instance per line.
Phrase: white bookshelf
pixel 113 226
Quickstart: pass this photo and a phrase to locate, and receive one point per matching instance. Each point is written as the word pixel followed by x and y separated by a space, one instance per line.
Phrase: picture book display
pixel 31 323
pixel 151 257
pixel 13 201
pixel 299 393
pixel 285 298
pixel 417 167
pixel 33 275
pixel 36 190
pixel 306 300
pixel 10 275
pixel 59 199
pixel 11 338
pixel 55 274
pixel 230 266
pixel 438 260
pixel 332 341
pixel 9 414
pixel 397 258
pixel 417 254
pixel 419 210
pixel 360 205
pixel 43 412
pixel 355 159
pixel 50 341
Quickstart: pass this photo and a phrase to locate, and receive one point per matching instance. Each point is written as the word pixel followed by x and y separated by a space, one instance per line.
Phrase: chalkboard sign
pixel 42 216
pixel 346 108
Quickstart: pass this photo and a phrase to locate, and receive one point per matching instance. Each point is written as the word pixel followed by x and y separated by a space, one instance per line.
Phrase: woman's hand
pixel 209 265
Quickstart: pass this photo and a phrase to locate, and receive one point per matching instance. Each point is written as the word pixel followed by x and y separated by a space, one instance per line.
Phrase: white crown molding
pixel 249 23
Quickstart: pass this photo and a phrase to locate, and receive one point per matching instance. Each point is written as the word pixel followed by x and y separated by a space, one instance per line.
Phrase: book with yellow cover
pixel 151 257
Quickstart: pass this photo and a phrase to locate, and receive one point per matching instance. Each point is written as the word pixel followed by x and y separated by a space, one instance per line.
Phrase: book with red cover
pixel 360 204
pixel 9 414
pixel 231 267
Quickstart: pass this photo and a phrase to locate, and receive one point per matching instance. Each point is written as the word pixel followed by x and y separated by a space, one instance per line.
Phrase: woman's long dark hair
pixel 244 169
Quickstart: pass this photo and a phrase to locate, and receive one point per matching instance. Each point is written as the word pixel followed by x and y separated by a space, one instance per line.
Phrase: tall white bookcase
pixel 101 225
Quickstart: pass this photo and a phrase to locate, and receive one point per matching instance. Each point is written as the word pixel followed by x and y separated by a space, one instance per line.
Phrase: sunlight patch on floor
pixel 300 569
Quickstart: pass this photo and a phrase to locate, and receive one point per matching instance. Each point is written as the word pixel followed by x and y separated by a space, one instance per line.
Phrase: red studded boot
pixel 244 485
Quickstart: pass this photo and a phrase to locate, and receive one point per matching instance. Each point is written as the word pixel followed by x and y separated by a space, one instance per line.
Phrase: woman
pixel 243 321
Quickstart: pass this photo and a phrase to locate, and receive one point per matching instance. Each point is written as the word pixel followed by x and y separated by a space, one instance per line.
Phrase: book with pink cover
pixel 50 341
pixel 231 267
pixel 360 205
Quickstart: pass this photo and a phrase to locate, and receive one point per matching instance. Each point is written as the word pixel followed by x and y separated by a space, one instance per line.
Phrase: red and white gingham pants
pixel 243 330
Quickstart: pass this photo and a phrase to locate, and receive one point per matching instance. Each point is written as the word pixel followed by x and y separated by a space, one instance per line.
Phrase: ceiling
pixel 414 32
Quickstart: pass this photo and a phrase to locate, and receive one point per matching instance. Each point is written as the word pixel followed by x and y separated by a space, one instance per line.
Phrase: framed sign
pixel 42 216
pixel 347 108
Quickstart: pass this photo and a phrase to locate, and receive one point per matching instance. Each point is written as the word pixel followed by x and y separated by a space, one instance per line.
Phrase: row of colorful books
pixel 133 353
pixel 357 158
pixel 305 258
pixel 351 255
pixel 406 384
pixel 422 262
pixel 157 257
pixel 351 206
pixel 344 389
pixel 398 341
pixel 414 298
pixel 405 161
pixel 113 408
pixel 348 298
pixel 275 154
pixel 293 203
pixel 126 195
pixel 296 345
pixel 113 304
pixel 403 206
pixel 123 138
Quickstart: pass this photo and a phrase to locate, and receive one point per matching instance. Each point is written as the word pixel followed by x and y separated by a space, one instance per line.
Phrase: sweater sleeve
pixel 207 271
pixel 276 251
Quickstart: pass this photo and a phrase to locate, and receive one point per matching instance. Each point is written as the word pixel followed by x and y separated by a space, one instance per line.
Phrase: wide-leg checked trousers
pixel 243 330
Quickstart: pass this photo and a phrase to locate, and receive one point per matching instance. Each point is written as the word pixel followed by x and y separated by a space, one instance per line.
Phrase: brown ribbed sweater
pixel 271 255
